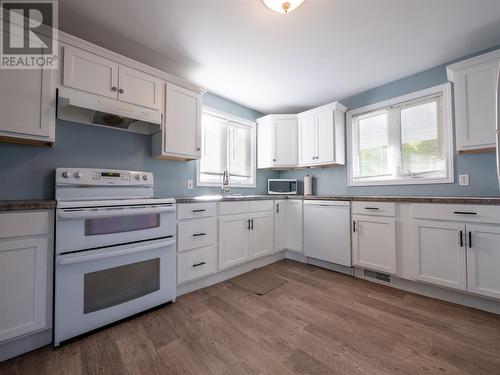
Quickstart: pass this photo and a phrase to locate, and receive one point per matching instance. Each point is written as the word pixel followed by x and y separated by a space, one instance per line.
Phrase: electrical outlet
pixel 463 180
pixel 189 184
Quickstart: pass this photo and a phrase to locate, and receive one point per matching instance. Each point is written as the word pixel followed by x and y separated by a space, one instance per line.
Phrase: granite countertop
pixel 30 204
pixel 399 199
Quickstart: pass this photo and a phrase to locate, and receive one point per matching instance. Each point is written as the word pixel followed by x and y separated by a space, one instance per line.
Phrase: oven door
pixel 97 287
pixel 89 228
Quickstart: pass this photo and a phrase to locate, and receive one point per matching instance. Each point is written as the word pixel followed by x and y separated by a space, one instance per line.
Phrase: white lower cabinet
pixel 234 240
pixel 244 237
pixel 262 234
pixel 196 263
pixel 294 225
pixel 23 286
pixel 439 253
pixel 374 243
pixel 26 268
pixel 483 259
pixel 280 230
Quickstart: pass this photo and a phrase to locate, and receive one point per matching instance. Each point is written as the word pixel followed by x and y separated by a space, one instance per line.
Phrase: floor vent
pixel 386 278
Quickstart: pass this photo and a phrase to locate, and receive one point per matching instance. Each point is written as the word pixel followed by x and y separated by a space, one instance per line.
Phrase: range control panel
pixel 102 177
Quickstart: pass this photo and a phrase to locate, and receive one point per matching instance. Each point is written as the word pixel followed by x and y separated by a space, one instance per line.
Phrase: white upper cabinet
pixel 277 141
pixel 322 135
pixel 307 143
pixel 475 88
pixel 97 75
pixel 139 88
pixel 28 105
pixel 90 73
pixel 180 137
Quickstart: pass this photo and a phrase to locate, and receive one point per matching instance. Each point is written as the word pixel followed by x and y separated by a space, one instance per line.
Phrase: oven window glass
pixel 118 224
pixel 117 285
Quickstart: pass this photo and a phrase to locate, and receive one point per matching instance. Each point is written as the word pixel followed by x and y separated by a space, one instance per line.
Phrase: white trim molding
pixel 485 57
pixel 446 107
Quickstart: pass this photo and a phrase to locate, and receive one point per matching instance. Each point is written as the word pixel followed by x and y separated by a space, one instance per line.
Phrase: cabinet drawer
pixel 232 208
pixel 197 263
pixel 457 212
pixel 374 208
pixel 19 224
pixel 195 210
pixel 196 233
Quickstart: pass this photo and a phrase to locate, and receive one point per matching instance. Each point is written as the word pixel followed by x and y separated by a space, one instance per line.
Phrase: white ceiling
pixel 323 51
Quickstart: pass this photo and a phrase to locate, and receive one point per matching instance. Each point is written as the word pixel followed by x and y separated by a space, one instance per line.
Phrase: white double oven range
pixel 115 248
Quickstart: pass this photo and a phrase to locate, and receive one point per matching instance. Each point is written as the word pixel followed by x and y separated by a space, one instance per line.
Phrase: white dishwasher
pixel 327 231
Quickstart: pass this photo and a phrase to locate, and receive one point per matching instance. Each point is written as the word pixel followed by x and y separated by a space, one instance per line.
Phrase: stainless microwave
pixel 282 186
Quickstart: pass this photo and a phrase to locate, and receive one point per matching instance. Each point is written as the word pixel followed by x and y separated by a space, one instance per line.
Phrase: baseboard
pixel 331 266
pixel 300 257
pixel 228 274
pixel 448 295
pixel 295 255
pixel 25 344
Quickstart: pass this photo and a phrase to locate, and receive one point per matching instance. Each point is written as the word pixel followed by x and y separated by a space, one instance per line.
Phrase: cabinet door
pixel 182 122
pixel 262 234
pixel 280 208
pixel 265 152
pixel 139 88
pixel 325 137
pixel 374 243
pixel 439 253
pixel 307 140
pixel 23 286
pixel 483 260
pixel 294 225
pixel 234 240
pixel 475 106
pixel 285 142
pixel 27 104
pixel 91 73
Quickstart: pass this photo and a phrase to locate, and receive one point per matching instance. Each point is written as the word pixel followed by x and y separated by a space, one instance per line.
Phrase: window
pixel 227 143
pixel 406 140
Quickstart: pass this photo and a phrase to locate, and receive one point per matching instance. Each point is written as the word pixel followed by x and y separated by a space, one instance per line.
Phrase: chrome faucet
pixel 225 183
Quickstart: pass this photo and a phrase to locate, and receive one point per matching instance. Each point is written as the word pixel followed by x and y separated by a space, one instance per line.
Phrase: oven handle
pixel 110 254
pixel 87 214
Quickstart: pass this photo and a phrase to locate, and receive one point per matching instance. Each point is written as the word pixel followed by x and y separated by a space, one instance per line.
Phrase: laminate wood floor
pixel 319 322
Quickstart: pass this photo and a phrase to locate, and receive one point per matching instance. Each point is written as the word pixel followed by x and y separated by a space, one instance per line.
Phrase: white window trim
pixel 445 90
pixel 253 157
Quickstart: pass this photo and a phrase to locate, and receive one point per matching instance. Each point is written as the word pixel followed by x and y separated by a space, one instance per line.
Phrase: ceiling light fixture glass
pixel 282 6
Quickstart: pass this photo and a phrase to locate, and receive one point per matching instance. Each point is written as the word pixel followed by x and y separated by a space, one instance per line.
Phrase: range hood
pixel 77 106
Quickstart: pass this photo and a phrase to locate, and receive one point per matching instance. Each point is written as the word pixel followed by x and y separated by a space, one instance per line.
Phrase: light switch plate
pixel 463 180
pixel 189 184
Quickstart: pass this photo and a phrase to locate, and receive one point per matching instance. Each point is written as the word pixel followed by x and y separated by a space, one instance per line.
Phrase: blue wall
pixel 27 172
pixel 480 167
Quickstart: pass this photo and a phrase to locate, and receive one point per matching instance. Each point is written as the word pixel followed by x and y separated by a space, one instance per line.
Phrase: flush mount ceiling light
pixel 282 6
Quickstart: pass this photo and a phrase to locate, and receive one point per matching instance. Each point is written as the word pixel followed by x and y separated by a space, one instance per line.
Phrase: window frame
pixel 229 118
pixel 447 131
